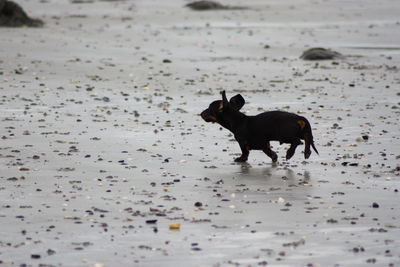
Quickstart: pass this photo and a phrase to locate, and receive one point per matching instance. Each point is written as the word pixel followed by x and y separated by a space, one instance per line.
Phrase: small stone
pixel 174 226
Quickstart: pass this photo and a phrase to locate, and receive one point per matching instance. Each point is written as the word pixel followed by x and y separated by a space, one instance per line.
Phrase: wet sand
pixel 102 148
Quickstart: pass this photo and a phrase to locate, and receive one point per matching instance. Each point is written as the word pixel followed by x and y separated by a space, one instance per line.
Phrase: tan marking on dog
pixel 212 118
pixel 301 123
pixel 221 106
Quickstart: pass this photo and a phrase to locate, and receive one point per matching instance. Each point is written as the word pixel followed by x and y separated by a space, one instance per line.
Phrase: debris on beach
pixel 103 148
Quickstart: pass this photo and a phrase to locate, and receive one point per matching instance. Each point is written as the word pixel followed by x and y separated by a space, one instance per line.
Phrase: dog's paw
pixel 241 159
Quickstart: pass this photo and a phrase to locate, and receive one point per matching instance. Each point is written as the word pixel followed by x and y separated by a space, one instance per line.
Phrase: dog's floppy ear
pixel 224 99
pixel 224 103
pixel 237 102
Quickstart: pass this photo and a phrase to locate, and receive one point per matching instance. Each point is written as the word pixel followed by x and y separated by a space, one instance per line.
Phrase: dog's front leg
pixel 245 152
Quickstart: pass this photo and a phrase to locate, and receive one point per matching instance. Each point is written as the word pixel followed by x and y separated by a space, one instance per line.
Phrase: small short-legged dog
pixel 255 132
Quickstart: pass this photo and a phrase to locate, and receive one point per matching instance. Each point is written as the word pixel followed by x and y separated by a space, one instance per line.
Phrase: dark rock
pixel 210 5
pixel 375 205
pixel 50 252
pixel 12 15
pixel 318 53
pixel 205 5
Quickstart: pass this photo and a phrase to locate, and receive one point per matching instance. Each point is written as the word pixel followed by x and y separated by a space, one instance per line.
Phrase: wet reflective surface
pixel 102 147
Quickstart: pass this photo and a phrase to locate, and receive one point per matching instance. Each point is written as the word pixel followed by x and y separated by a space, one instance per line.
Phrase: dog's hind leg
pixel 307 143
pixel 270 153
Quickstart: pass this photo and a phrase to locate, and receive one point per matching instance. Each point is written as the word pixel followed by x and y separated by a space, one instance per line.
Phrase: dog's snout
pixel 204 114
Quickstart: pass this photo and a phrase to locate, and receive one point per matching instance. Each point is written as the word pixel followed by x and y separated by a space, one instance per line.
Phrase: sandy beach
pixel 105 160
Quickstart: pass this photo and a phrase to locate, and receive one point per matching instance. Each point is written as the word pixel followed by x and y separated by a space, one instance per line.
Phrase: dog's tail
pixel 313 146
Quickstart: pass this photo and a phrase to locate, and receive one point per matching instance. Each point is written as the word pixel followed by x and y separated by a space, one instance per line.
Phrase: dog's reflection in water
pixel 274 173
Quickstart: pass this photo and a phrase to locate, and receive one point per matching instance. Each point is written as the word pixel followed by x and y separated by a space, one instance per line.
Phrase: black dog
pixel 255 132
